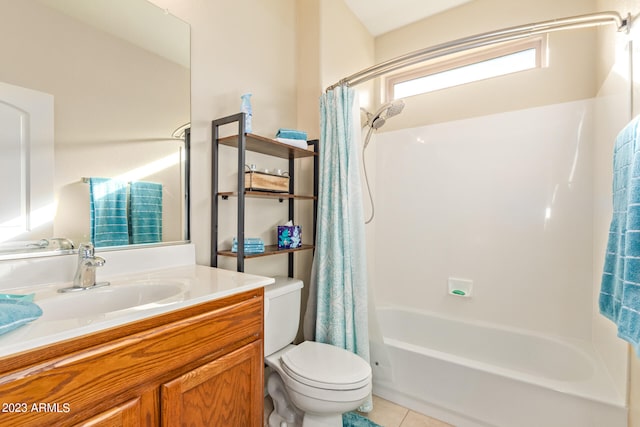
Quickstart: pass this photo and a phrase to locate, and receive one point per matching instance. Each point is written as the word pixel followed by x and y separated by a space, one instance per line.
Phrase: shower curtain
pixel 337 307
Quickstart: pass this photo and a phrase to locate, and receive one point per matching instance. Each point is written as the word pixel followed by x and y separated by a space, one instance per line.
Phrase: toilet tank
pixel 281 313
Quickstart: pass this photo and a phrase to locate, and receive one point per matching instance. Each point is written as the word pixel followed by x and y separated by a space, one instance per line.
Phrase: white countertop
pixel 196 284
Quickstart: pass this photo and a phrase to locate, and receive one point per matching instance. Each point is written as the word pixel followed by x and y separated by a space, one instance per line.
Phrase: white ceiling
pixel 381 16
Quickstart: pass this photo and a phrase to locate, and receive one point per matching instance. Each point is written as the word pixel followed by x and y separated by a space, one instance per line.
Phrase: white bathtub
pixel 472 374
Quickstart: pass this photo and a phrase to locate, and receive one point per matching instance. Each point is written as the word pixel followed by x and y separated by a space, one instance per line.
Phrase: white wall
pixel 503 200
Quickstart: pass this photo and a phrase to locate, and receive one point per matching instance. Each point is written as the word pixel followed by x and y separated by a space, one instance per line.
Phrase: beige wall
pixel 571 54
pixel 285 53
pixel 237 47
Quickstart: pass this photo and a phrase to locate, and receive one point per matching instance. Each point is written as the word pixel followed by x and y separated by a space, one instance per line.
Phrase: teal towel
pixel 108 212
pixel 252 245
pixel 351 419
pixel 291 134
pixel 145 223
pixel 19 297
pixel 15 313
pixel 620 287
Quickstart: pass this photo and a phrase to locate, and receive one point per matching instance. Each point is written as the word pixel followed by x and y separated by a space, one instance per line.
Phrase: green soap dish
pixel 458 292
pixel 28 297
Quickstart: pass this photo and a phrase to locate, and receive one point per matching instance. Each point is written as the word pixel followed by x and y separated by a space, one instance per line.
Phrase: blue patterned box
pixel 289 237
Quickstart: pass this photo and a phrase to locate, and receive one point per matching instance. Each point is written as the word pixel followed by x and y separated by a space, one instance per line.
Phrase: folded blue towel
pixel 252 245
pixel 15 313
pixel 19 297
pixel 620 288
pixel 250 241
pixel 291 134
pixel 108 212
pixel 145 213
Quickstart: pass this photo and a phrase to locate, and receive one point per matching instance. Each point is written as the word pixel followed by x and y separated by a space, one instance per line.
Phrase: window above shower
pixel 468 67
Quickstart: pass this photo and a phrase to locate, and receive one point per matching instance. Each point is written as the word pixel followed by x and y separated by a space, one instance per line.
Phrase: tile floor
pixel 385 413
pixel 388 414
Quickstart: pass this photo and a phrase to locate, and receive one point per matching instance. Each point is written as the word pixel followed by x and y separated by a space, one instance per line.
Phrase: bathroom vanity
pixel 195 358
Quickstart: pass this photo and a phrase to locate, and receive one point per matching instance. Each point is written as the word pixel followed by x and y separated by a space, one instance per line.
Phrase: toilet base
pixel 311 420
pixel 286 414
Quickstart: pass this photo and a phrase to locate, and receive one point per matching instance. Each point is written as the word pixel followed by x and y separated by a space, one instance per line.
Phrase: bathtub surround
pixel 500 200
pixel 515 216
pixel 337 307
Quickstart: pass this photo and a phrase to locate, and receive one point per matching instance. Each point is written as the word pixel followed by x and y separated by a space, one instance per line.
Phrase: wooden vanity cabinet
pixel 199 366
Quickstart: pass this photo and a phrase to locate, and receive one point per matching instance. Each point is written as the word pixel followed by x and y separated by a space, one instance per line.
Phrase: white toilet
pixel 311 384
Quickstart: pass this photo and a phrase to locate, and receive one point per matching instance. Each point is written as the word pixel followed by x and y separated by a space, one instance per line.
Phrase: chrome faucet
pixel 85 277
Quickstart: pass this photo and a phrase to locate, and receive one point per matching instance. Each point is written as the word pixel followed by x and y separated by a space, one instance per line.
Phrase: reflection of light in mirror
pixel 38 218
pixel 46 214
pixel 150 168
pixel 141 172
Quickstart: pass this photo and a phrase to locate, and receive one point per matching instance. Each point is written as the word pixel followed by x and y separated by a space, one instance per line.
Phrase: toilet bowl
pixel 312 383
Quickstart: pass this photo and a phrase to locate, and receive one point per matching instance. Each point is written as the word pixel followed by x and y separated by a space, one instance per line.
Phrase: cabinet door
pixel 141 411
pixel 225 392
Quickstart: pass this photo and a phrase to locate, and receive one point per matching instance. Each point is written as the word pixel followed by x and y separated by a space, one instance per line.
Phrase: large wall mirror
pixel 91 92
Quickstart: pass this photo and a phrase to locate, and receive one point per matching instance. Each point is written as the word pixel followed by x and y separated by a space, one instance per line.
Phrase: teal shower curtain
pixel 337 307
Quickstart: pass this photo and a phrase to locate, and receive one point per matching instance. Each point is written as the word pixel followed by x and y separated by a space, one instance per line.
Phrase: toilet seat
pixel 326 367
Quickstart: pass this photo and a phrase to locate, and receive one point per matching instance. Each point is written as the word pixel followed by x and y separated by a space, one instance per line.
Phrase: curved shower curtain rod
pixel 485 39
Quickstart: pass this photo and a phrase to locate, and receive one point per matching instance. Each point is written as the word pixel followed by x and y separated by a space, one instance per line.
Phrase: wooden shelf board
pixel 271 147
pixel 267 195
pixel 268 250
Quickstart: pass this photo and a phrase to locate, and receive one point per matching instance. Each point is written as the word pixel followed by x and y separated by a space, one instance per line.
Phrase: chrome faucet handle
pixel 62 243
pixel 86 250
pixel 85 277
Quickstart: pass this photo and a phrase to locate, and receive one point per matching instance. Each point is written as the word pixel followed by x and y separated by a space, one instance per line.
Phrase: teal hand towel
pixel 19 297
pixel 15 313
pixel 291 134
pixel 252 245
pixel 145 212
pixel 108 212
pixel 620 287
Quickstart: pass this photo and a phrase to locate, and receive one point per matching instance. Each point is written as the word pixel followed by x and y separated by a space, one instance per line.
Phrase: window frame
pixel 475 56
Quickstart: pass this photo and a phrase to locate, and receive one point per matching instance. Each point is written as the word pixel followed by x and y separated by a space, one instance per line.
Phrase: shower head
pixel 388 110
pixel 377 120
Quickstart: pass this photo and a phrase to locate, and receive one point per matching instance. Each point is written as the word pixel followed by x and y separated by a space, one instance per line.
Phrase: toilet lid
pixel 326 366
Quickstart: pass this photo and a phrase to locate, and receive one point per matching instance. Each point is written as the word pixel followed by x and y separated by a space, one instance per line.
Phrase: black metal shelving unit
pixel 250 142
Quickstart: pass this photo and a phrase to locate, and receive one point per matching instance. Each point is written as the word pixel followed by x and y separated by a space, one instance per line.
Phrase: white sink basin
pixel 99 301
